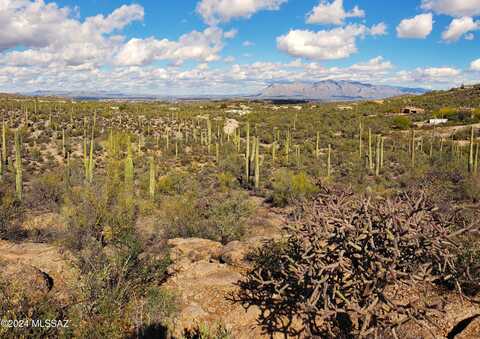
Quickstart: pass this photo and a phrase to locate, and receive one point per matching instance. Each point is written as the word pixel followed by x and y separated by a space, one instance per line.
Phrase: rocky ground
pixel 203 276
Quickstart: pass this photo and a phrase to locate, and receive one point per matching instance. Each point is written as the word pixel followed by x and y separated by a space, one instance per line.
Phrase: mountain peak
pixel 333 90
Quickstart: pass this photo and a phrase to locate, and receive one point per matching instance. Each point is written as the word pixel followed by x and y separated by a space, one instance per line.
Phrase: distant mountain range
pixel 330 90
pixel 90 95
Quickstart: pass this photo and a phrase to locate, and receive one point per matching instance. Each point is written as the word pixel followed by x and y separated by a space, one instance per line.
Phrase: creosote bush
pixel 47 191
pixel 332 273
pixel 220 217
pixel 11 211
pixel 288 187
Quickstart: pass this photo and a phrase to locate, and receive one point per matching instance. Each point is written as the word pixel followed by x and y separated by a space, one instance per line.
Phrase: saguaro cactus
pixel 360 139
pixel 129 170
pixel 382 153
pixel 412 149
pixel 377 156
pixel 274 149
pixel 317 146
pixel 297 155
pixel 247 153
pixel 287 145
pixel 329 161
pixel 370 150
pixel 152 184
pixel 257 164
pixel 209 134
pixel 4 143
pixel 475 164
pixel 67 171
pixel 471 156
pixel 64 149
pixel 18 167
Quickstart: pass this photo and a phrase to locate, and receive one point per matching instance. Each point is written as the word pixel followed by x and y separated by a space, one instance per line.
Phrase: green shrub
pixel 175 182
pixel 11 212
pixel 402 122
pixel 219 217
pixel 47 191
pixel 288 187
pixel 17 304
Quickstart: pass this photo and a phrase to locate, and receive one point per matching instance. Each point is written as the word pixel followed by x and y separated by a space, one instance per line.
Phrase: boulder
pixel 48 222
pixel 190 250
pixel 39 264
pixel 235 252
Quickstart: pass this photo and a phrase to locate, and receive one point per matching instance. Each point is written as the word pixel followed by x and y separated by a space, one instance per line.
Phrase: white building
pixel 435 122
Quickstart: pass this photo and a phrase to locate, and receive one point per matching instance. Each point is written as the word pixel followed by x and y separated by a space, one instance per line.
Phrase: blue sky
pixel 235 46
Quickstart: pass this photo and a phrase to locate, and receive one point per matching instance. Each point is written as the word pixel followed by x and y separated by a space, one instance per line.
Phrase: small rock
pixel 194 249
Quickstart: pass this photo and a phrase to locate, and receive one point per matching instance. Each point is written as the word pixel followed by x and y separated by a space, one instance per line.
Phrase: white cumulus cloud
pixel 332 13
pixel 475 65
pixel 202 46
pixel 418 27
pixel 459 27
pixel 216 11
pixel 457 8
pixel 331 44
pixel 51 34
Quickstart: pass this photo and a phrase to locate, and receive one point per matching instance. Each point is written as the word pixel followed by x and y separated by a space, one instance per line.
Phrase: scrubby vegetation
pixel 113 171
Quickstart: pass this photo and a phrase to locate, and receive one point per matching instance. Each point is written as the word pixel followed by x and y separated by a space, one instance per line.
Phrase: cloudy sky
pixel 235 46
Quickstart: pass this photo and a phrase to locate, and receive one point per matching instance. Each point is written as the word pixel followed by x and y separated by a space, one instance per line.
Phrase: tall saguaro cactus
pixel 209 135
pixel 329 161
pixel 129 170
pixel 91 160
pixel 247 153
pixel 360 139
pixel 471 156
pixel 412 149
pixel 2 161
pixel 152 183
pixel 4 143
pixel 377 156
pixel 370 150
pixel 18 167
pixel 257 164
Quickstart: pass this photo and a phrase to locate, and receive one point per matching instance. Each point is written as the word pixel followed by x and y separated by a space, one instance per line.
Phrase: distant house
pixel 412 110
pixel 435 122
pixel 345 108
